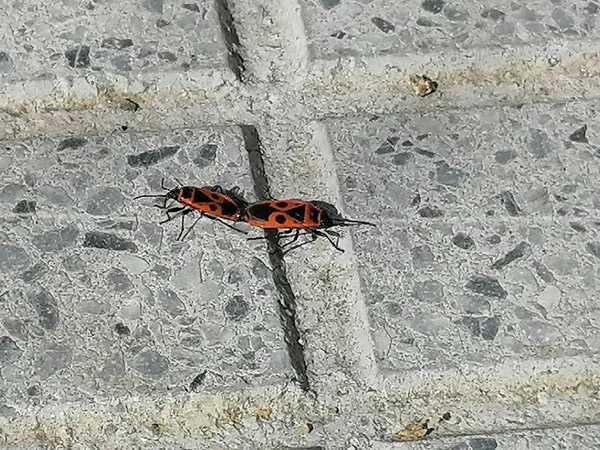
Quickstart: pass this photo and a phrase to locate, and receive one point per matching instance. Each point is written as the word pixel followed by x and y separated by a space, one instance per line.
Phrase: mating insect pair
pixel 294 217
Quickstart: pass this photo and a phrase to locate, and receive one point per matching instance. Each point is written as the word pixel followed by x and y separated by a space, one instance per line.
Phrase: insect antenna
pixel 150 196
pixel 342 222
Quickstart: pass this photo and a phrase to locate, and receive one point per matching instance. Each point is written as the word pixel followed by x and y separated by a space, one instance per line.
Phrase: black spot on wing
pixel 298 213
pixel 315 215
pixel 280 218
pixel 261 211
pixel 200 197
pixel 229 208
pixel 282 205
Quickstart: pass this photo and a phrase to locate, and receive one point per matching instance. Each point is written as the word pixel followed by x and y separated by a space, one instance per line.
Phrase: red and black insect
pixel 212 202
pixel 313 217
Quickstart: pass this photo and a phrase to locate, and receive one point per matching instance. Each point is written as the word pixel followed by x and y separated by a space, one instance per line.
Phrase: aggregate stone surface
pixel 43 41
pixel 475 295
pixel 101 300
pixel 382 27
pixel 487 239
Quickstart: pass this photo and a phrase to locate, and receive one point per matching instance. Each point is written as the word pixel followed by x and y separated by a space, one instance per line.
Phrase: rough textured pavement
pixel 474 298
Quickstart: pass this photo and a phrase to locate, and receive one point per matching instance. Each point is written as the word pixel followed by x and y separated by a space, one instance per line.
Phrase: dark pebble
pixel 593 248
pixel 579 135
pixel 423 22
pixel 483 444
pixel 472 324
pixel 197 382
pixel 383 24
pixel 494 239
pixel 401 159
pixel 592 8
pixel 79 57
pixel 430 213
pixel 543 272
pixel 463 241
pixel 9 350
pixel 328 4
pixel 426 153
pixel 505 156
pixel 206 156
pixel 516 253
pixel 167 56
pixel 72 143
pixel 493 14
pixel 509 203
pixel 449 176
pixel 433 6
pixel 46 307
pixel 32 391
pixel 122 329
pixel 34 273
pixel 97 239
pixel 25 207
pixel 152 157
pixel 193 7
pixel 384 148
pixel 415 201
pixel 489 327
pixel 486 285
pixel 237 308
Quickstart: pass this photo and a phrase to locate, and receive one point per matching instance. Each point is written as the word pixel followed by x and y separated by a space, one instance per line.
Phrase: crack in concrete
pixel 287 298
pixel 231 38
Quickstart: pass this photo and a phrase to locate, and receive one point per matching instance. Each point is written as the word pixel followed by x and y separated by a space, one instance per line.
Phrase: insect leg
pixel 312 239
pixel 335 244
pixel 164 205
pixel 225 223
pixel 175 212
pixel 190 228
pixel 282 234
pixel 334 234
pixel 294 239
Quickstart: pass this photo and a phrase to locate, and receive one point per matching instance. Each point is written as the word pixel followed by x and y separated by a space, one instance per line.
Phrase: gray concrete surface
pixel 475 295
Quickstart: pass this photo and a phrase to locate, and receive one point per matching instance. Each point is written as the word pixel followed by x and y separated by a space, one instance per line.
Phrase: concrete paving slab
pixel 325 109
pixel 100 300
pixel 487 232
pixel 382 27
pixel 47 41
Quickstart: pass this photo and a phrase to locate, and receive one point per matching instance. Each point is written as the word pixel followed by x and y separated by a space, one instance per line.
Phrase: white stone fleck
pixel 549 298
pixel 134 264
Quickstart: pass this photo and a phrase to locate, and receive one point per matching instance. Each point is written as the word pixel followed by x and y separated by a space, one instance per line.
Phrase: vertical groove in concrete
pixel 287 302
pixel 231 38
